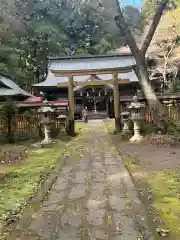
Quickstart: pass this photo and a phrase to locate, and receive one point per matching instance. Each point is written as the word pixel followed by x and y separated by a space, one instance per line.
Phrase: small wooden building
pixel 9 89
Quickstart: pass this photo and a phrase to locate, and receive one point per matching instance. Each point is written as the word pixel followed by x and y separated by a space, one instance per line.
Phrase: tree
pixel 167 46
pixel 7 113
pixel 149 8
pixel 31 30
pixel 165 49
pixel 160 113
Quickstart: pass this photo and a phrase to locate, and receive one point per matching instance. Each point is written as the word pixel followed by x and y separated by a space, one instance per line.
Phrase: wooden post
pixel 116 103
pixel 71 130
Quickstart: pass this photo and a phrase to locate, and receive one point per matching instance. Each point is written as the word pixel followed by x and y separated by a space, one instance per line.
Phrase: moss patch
pixel 161 190
pixel 23 179
pixel 166 194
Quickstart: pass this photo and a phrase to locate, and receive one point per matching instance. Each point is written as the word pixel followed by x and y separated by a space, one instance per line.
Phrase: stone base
pixel 126 132
pixel 47 142
pixel 136 138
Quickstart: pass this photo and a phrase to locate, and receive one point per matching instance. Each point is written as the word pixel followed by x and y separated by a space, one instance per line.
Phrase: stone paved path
pixel 88 201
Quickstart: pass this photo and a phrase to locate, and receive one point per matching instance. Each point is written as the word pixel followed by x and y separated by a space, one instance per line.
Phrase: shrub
pixel 174 129
pixel 147 128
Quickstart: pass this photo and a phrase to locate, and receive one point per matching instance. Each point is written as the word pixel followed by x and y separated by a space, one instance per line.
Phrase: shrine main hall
pixel 95 81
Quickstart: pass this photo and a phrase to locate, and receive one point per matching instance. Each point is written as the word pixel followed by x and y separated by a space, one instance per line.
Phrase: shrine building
pixel 94 93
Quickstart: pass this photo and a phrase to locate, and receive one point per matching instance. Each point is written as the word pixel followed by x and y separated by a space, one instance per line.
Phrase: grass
pixel 110 126
pixel 165 191
pixel 23 179
pixel 166 194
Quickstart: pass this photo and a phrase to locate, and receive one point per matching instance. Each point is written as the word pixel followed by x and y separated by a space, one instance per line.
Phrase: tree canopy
pixel 31 30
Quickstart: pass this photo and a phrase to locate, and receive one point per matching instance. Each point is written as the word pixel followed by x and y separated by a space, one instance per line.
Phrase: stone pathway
pixel 88 201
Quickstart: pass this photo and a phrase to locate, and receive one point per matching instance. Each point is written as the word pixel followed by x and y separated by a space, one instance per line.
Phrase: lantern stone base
pixel 125 130
pixel 47 132
pixel 137 136
pixel 47 142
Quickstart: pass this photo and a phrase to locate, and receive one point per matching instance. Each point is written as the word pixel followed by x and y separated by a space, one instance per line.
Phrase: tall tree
pixel 34 29
pixel 160 113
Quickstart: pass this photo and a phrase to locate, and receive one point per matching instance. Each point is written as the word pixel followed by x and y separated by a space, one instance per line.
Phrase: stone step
pixel 97 115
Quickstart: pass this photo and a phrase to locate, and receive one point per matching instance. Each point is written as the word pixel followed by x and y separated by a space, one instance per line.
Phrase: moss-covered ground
pixel 21 180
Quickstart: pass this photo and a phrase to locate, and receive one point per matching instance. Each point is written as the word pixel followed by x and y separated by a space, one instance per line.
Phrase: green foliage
pixel 31 31
pixel 175 85
pixel 174 129
pixel 147 128
pixel 31 116
pixel 149 7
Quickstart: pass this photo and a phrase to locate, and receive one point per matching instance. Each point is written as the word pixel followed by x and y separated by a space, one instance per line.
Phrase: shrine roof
pixel 9 88
pixel 90 56
pixel 83 63
pixel 92 63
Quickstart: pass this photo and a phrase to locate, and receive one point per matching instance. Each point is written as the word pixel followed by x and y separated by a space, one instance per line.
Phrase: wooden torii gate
pixel 71 84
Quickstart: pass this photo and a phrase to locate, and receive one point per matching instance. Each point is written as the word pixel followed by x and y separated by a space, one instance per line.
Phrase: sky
pixel 131 2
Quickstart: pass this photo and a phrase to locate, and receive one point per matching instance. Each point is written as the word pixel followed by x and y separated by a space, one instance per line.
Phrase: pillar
pixel 71 130
pixel 116 103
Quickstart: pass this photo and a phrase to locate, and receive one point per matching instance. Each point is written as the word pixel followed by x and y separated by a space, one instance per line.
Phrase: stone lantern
pixel 136 117
pixel 47 120
pixel 125 120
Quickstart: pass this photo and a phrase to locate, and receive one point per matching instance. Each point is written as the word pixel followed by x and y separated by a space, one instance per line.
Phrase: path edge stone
pixel 50 177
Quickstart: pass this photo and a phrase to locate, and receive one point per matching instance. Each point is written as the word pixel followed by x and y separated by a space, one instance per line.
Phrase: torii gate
pixel 71 84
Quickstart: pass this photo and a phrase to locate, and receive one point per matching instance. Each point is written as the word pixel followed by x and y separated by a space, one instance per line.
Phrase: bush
pixel 147 128
pixel 174 129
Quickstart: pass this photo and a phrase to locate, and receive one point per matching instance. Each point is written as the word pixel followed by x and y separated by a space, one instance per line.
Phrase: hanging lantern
pixel 87 94
pixel 99 94
pixel 81 94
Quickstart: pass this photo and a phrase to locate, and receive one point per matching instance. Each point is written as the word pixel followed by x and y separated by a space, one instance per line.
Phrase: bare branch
pixel 153 26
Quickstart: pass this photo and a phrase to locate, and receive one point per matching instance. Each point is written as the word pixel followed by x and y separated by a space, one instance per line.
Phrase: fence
pixel 172 108
pixel 173 113
pixel 23 130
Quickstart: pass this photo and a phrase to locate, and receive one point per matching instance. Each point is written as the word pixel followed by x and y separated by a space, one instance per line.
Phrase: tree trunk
pixel 154 24
pixel 10 130
pixel 160 113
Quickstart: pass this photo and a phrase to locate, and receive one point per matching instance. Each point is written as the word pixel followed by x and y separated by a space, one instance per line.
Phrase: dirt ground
pixel 154 158
pixel 155 171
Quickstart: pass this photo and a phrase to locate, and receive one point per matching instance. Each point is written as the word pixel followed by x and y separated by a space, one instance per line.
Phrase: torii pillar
pixel 71 130
pixel 116 103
